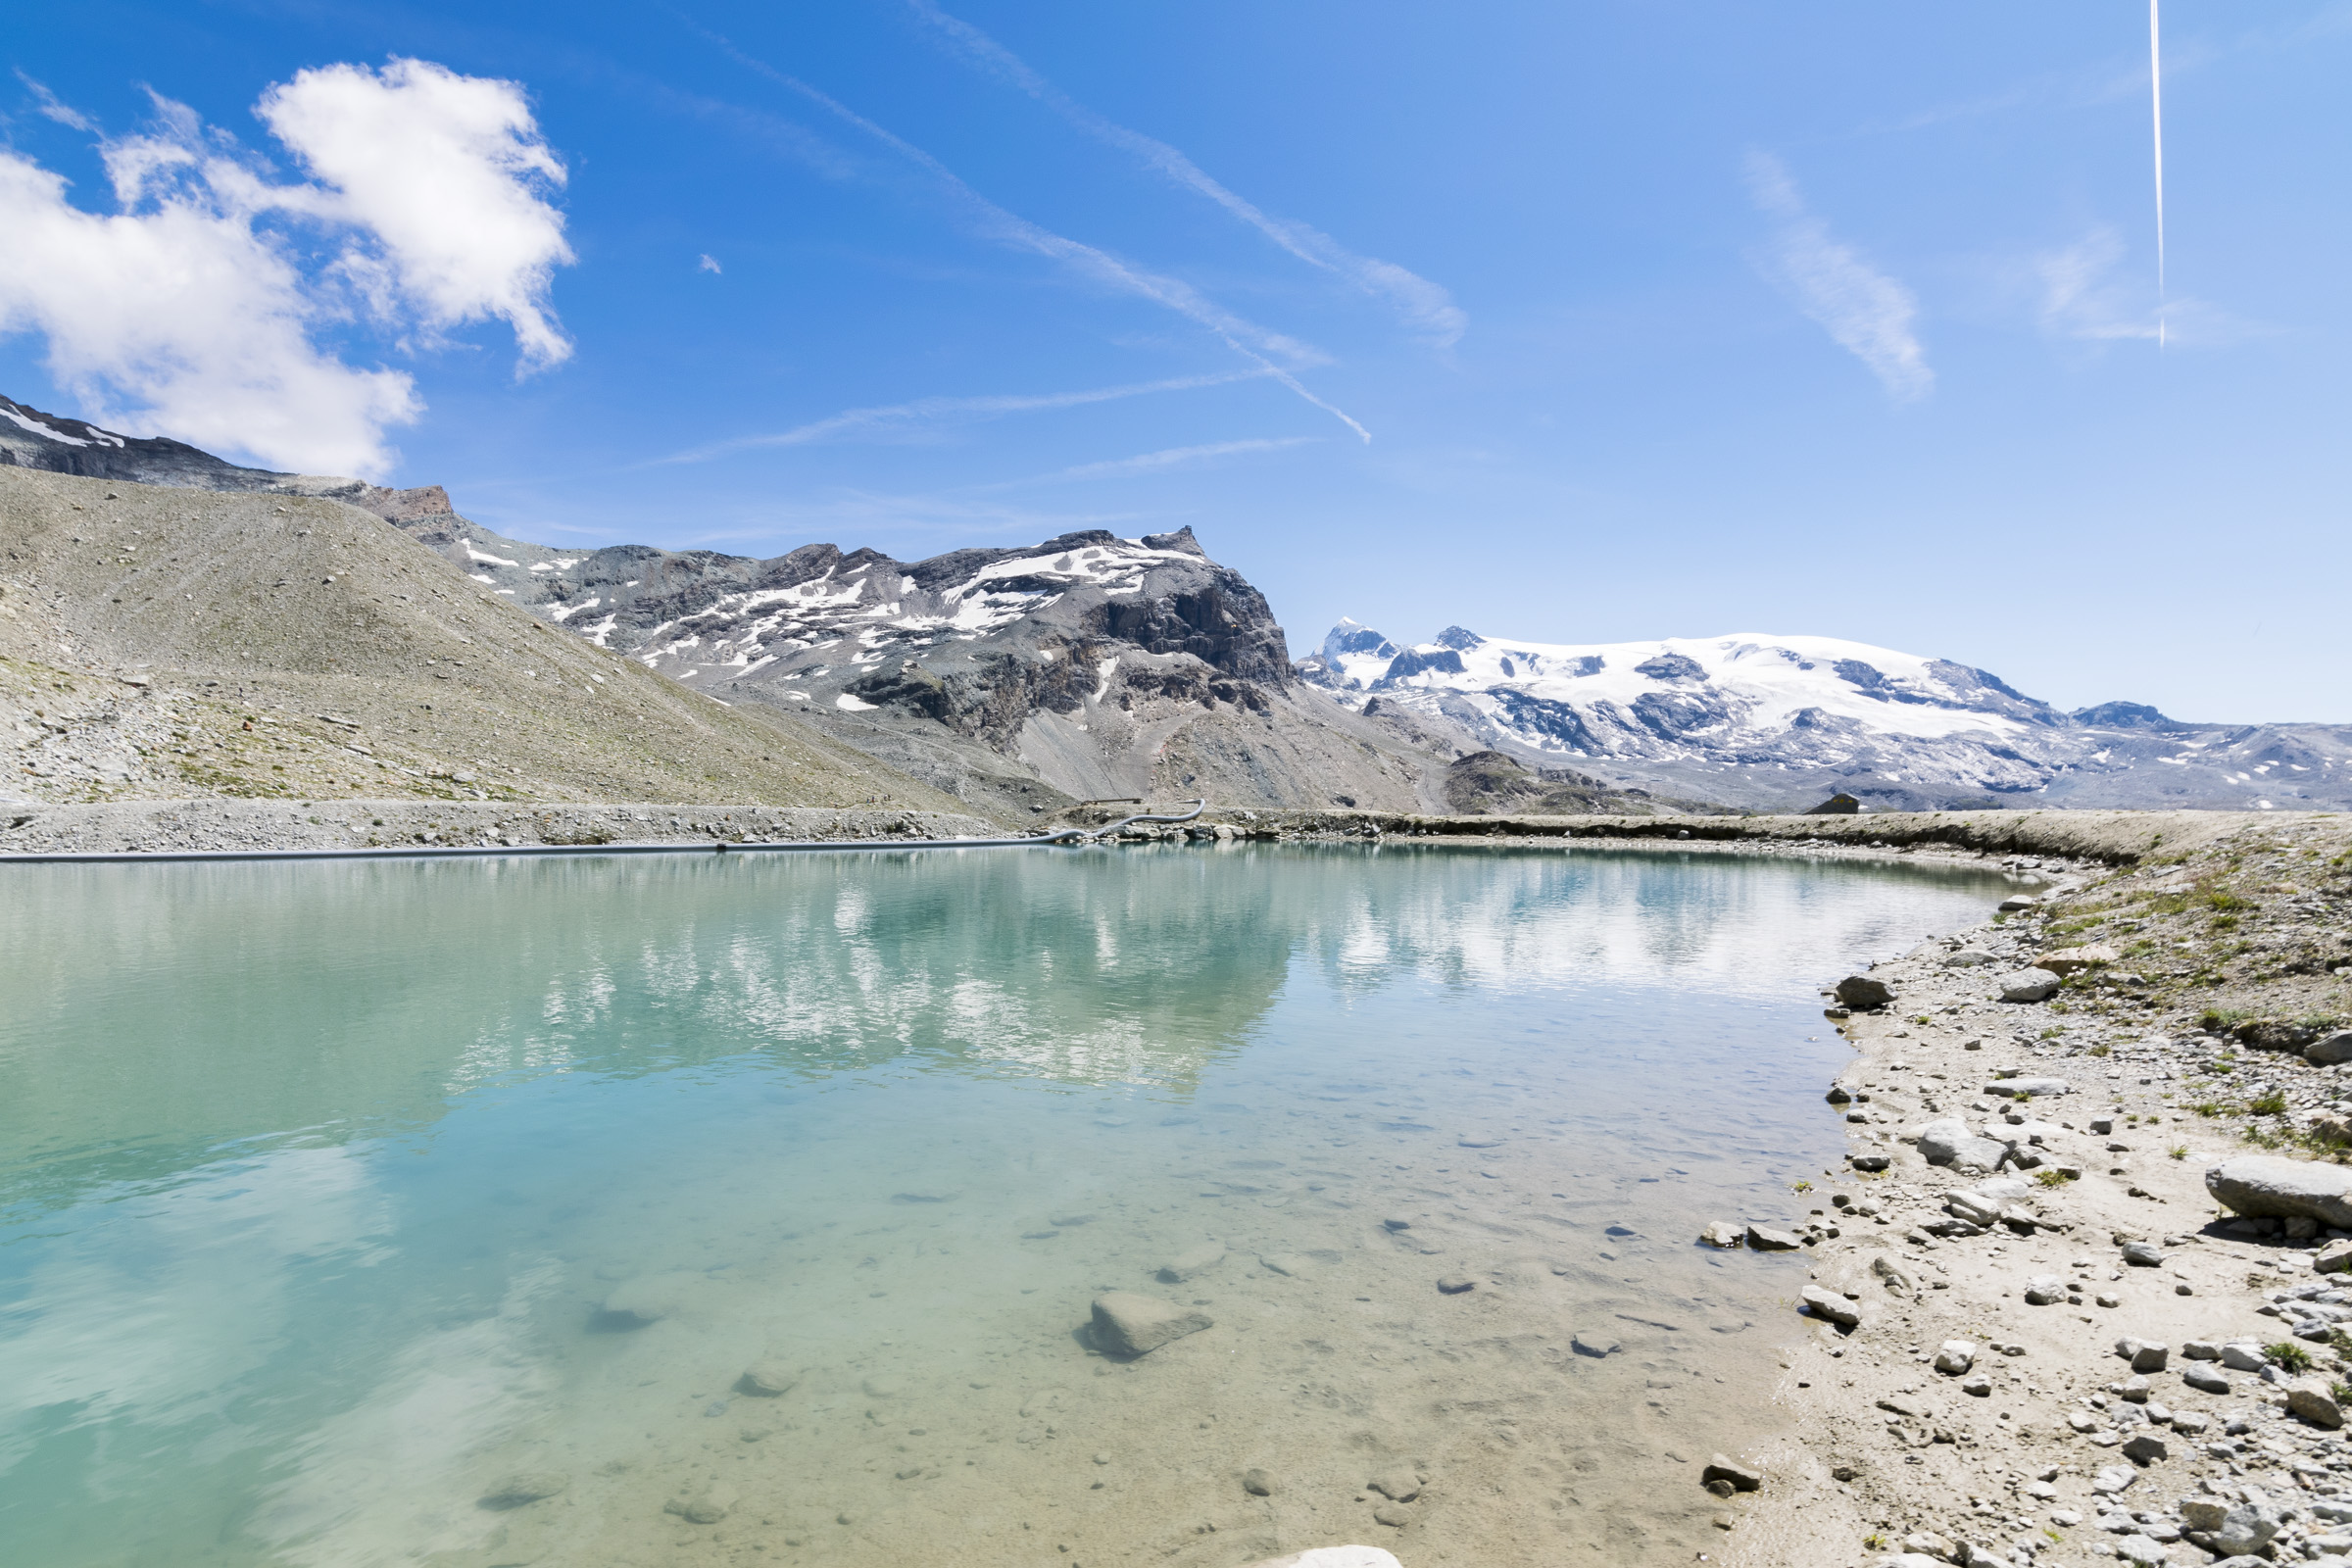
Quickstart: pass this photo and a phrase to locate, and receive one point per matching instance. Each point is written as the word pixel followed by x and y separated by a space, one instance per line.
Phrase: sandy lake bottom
pixel 336 1199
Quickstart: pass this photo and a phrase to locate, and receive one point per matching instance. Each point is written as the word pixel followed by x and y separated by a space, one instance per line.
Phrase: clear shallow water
pixel 317 1180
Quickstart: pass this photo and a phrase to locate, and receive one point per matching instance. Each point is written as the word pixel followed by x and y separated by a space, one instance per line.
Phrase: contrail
pixel 2156 108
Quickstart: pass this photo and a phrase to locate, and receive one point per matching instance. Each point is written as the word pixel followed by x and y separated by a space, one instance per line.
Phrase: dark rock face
pixel 1672 667
pixel 1410 664
pixel 1839 804
pixel 2123 715
pixel 1497 784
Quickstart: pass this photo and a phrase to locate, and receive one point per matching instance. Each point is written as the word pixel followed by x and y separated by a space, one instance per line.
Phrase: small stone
pixel 645 1301
pixel 2142 1254
pixel 1721 1235
pixel 879 1388
pixel 2044 1290
pixel 1456 1285
pixel 2204 1379
pixel 1258 1483
pixel 1721 1487
pixel 1595 1346
pixel 1398 1224
pixel 2334 1259
pixel 2107 1483
pixel 1129 1325
pixel 1762 1238
pixel 2146 1449
pixel 767 1381
pixel 2240 1355
pixel 1979 1387
pixel 2131 1391
pixel 2109 1298
pixel 2140 1550
pixel 1191 1264
pixel 1398 1485
pixel 1395 1518
pixel 523 1487
pixel 1956 1356
pixel 1743 1478
pixel 2145 1356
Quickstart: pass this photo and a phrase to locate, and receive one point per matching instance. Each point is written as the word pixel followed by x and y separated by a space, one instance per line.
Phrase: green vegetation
pixel 2270 1103
pixel 2288 1354
pixel 2179 1150
pixel 2053 1177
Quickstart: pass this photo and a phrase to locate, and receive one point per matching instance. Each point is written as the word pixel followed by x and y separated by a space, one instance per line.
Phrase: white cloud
pixel 1424 306
pixel 450 176
pixel 707 266
pixel 2084 300
pixel 1865 311
pixel 50 107
pixel 1171 458
pixel 898 419
pixel 195 309
pixel 1260 344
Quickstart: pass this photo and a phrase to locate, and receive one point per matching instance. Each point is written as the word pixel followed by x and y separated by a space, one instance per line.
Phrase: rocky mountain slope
pixel 1775 723
pixel 172 643
pixel 1087 666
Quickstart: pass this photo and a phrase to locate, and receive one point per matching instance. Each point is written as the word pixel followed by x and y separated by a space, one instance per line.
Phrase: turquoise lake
pixel 335 1195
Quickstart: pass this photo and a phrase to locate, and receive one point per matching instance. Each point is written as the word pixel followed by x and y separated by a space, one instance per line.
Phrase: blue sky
pixel 1660 319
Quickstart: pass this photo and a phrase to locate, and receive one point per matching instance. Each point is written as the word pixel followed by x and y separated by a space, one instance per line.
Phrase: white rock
pixel 1128 1324
pixel 1334 1557
pixel 1831 1305
pixel 1956 1356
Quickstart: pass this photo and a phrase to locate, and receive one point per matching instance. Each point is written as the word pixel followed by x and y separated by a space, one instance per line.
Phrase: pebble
pixel 881 1388
pixel 1398 1485
pixel 1596 1346
pixel 1395 1518
pixel 1722 1236
pixel 1456 1285
pixel 2044 1290
pixel 1398 1224
pixel 1955 1357
pixel 2145 1356
pixel 1258 1483
pixel 1763 1239
pixel 2142 1254
pixel 2204 1379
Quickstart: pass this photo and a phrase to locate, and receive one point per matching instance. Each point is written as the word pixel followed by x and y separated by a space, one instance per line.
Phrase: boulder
pixel 2334 1259
pixel 2311 1399
pixel 2266 1186
pixel 2330 1050
pixel 1763 1239
pixel 1721 1235
pixel 1830 1305
pixel 1861 993
pixel 2071 961
pixel 2028 985
pixel 2017 903
pixel 2202 1377
pixel 1128 1324
pixel 2246 1528
pixel 1971 958
pixel 1950 1142
pixel 2243 1355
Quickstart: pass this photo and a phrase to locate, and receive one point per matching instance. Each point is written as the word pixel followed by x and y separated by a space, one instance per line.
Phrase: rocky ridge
pixel 1778 723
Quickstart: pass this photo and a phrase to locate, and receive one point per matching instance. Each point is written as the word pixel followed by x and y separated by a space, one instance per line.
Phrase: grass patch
pixel 2179 1150
pixel 2100 1049
pixel 2288 1354
pixel 2209 1108
pixel 2272 1104
pixel 2053 1177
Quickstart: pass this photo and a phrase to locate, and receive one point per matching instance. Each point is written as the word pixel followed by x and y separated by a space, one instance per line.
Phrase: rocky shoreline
pixel 2075 1296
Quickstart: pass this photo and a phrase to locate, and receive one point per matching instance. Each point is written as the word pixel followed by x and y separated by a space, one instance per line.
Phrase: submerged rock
pixel 707 1506
pixel 647 1299
pixel 1258 1483
pixel 1198 1260
pixel 524 1487
pixel 1721 1235
pixel 767 1381
pixel 1130 1325
pixel 1456 1285
pixel 1743 1478
pixel 1398 1485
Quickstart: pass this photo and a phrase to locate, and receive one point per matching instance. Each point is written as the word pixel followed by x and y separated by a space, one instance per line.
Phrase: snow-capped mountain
pixel 1762 719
